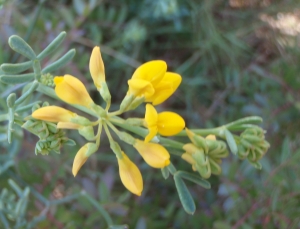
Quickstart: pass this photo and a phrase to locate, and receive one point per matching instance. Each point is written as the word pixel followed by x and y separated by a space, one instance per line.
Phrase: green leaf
pixel 15 79
pixel 184 196
pixel 193 178
pixel 34 85
pixel 11 99
pixel 231 142
pixel 52 46
pixel 118 227
pixel 20 46
pixel 246 120
pixel 60 62
pixel 286 152
pixel 16 68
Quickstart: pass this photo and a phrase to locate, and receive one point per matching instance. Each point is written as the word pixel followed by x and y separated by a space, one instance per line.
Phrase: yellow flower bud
pixel 82 155
pixel 130 175
pixel 155 155
pixel 71 90
pixel 53 114
pixel 97 69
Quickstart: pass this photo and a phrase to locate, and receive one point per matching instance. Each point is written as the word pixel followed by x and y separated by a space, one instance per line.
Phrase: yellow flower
pixel 165 88
pixel 53 114
pixel 152 71
pixel 130 175
pixel 71 90
pixel 165 123
pixel 97 69
pixel 154 154
pixel 82 155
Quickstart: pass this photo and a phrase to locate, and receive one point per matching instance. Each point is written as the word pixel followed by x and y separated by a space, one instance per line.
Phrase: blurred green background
pixel 237 58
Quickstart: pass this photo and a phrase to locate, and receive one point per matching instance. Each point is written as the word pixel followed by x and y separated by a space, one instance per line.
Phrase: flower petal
pixel 82 155
pixel 53 114
pixel 71 90
pixel 97 69
pixel 165 88
pixel 154 154
pixel 169 123
pixel 140 87
pixel 130 175
pixel 151 71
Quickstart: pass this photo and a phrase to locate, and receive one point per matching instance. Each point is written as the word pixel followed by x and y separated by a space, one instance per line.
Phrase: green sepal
pixel 52 46
pixel 134 121
pixel 60 62
pixel 81 121
pixel 16 68
pixel 215 167
pixel 230 141
pixel 115 147
pixel 125 137
pixel 126 102
pixel 16 79
pixel 87 132
pixel 165 172
pixel 99 110
pixel 21 46
pixel 11 99
pixel 200 157
pixel 171 168
pixel 34 85
pixel 204 170
pixel 193 178
pixel 184 196
pixel 70 142
pixel 252 139
pixel 92 148
pixel 135 103
pixel 104 92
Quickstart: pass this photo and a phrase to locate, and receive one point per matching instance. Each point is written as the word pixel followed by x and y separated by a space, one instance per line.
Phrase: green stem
pixel 102 211
pixel 98 134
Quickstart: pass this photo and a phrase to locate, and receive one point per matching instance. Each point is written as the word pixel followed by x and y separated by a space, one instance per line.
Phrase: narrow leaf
pixel 15 79
pixel 52 46
pixel 193 178
pixel 185 196
pixel 11 99
pixel 231 142
pixel 20 46
pixel 16 68
pixel 32 88
pixel 60 62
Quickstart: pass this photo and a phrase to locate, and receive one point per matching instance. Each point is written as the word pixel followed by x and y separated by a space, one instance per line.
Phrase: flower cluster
pixel 150 83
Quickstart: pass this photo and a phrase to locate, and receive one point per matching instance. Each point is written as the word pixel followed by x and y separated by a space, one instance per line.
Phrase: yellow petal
pixel 151 71
pixel 97 67
pixel 155 155
pixel 188 158
pixel 169 123
pixel 71 90
pixel 53 114
pixel 150 116
pixel 151 122
pixel 140 87
pixel 130 175
pixel 211 137
pixel 82 155
pixel 165 88
pixel 68 125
